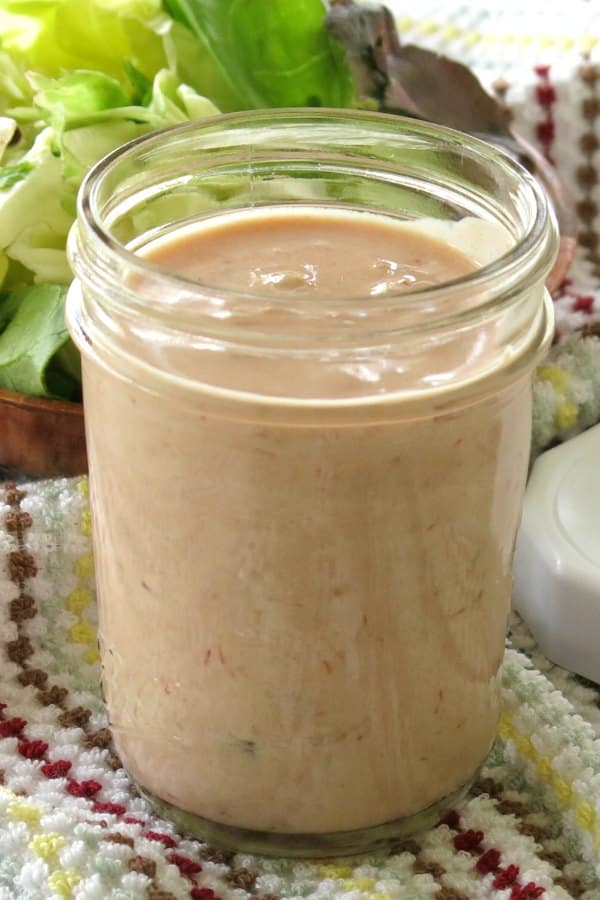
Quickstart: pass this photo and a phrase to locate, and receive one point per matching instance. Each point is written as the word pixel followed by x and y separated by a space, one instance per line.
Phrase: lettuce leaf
pixel 52 36
pixel 76 97
pixel 86 115
pixel 11 175
pixel 33 221
pixel 9 303
pixel 34 335
pixel 13 84
pixel 258 53
pixel 83 115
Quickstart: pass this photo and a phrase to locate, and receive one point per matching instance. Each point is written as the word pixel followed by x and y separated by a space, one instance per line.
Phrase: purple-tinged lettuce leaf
pixel 403 78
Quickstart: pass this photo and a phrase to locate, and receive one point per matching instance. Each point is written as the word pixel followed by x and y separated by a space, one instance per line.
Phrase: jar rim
pixel 531 252
pixel 504 295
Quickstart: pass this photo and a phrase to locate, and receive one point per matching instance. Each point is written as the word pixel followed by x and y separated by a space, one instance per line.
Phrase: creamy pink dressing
pixel 307 253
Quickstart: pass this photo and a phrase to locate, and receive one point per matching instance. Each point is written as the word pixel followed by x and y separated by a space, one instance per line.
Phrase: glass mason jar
pixel 304 513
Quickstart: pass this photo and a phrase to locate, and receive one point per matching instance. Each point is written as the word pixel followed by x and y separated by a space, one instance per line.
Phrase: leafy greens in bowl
pixel 81 77
pixel 78 78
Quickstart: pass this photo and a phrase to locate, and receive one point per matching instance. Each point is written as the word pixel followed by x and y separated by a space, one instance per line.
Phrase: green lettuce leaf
pixel 52 36
pixel 13 83
pixel 170 103
pixel 15 137
pixel 140 84
pixel 76 98
pixel 9 302
pixel 82 147
pixel 33 221
pixel 35 334
pixel 246 54
pixel 11 175
pixel 67 361
pixel 86 115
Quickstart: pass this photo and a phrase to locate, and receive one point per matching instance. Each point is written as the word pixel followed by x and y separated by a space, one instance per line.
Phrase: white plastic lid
pixel 557 558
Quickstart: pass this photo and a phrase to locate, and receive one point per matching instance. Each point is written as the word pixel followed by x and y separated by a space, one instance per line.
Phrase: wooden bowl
pixel 41 437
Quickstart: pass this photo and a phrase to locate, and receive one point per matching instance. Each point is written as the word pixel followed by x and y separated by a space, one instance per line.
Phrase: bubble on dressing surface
pixel 300 278
pixel 396 277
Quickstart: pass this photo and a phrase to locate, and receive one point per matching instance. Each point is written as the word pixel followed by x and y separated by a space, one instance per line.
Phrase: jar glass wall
pixel 304 514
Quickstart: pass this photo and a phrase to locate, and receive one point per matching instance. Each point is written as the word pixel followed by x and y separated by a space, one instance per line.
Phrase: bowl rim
pixel 41 404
